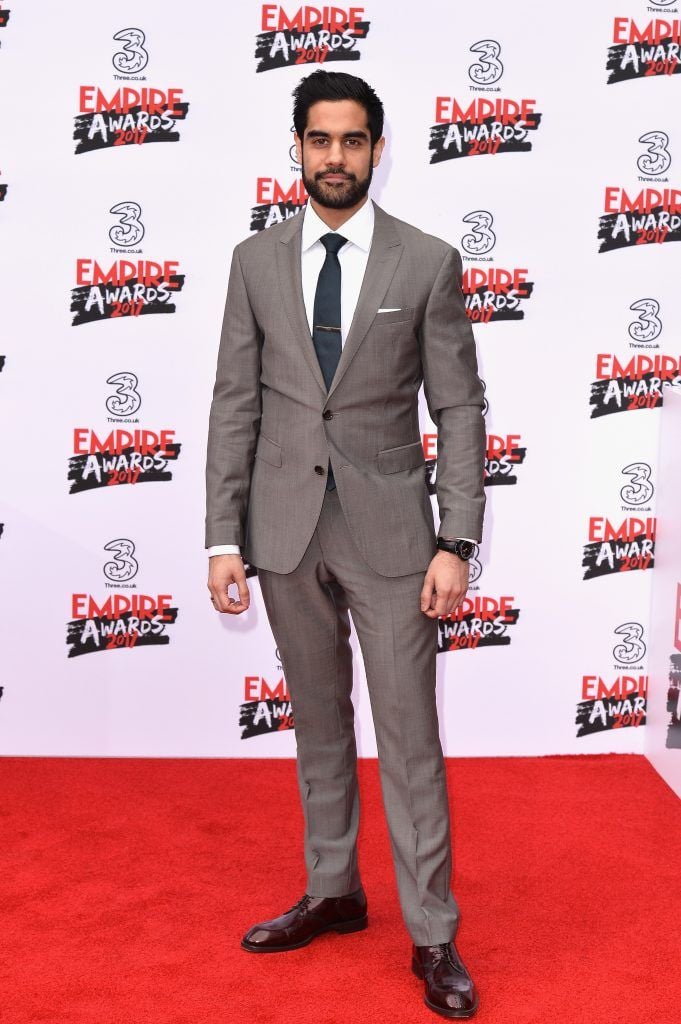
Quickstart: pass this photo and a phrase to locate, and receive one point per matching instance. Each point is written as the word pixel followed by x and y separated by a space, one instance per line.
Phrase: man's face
pixel 336 155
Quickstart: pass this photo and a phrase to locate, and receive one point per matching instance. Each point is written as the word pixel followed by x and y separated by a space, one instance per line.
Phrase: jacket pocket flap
pixel 406 456
pixel 268 451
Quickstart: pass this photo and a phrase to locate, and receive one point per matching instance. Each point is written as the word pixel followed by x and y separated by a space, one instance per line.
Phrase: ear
pixel 378 151
pixel 299 147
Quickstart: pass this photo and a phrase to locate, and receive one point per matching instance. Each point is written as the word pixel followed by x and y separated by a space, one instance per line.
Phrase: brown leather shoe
pixel 311 916
pixel 449 987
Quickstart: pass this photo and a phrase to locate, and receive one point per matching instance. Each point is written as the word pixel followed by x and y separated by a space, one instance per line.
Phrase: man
pixel 316 473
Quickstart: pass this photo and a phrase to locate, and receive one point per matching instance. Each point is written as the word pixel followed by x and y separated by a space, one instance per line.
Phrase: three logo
pixel 126 399
pixel 128 230
pixel 631 649
pixel 132 57
pixel 488 69
pixel 123 566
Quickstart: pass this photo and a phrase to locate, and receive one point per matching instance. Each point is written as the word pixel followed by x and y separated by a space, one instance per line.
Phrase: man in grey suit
pixel 315 472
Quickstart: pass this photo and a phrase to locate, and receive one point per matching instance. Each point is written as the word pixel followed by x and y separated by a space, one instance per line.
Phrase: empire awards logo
pixel 124 286
pixel 628 544
pixel 275 203
pixel 4 17
pixel 503 455
pixel 482 125
pixel 651 215
pixel 618 703
pixel 638 382
pixel 267 707
pixel 645 51
pixel 127 115
pixel 491 293
pixel 114 456
pixel 119 621
pixel 309 35
pixel 482 620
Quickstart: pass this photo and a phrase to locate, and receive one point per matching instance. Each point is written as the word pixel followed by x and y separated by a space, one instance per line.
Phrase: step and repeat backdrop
pixel 138 144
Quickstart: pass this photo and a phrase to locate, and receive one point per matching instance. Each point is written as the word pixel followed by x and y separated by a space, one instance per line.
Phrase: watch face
pixel 466 548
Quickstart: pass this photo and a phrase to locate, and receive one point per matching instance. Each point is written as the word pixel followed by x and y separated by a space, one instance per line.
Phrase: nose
pixel 335 155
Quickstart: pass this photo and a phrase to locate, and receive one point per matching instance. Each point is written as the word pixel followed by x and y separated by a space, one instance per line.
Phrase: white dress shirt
pixel 353 256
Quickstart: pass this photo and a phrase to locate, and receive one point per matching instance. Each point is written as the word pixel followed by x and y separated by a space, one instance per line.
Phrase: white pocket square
pixel 390 309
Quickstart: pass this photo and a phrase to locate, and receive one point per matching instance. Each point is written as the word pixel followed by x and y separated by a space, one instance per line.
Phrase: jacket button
pixel 319 470
pixel 328 415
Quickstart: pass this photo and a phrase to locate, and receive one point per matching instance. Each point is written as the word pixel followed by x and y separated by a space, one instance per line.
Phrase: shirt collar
pixel 358 229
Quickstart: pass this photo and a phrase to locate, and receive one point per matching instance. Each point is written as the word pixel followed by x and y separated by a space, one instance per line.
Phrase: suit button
pixel 319 470
pixel 328 415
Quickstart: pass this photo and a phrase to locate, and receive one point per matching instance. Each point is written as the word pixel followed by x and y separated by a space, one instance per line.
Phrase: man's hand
pixel 445 585
pixel 222 571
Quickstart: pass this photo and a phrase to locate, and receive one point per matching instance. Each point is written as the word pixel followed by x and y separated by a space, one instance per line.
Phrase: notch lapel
pixel 291 283
pixel 384 255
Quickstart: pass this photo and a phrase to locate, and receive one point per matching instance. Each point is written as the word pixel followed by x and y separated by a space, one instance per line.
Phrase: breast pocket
pixel 394 316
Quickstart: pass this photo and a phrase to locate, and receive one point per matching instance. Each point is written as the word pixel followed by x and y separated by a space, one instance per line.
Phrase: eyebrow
pixel 314 134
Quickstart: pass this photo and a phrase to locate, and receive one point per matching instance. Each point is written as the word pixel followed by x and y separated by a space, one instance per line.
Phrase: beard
pixel 337 195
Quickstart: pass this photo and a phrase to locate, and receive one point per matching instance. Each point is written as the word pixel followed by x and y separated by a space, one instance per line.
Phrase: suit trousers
pixel 308 613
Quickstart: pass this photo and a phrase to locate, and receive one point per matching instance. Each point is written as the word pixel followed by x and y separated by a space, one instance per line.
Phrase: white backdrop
pixel 542 208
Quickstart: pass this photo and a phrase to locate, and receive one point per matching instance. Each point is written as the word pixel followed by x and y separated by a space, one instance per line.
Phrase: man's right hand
pixel 224 570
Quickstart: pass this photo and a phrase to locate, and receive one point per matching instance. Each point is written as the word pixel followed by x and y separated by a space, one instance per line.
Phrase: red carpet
pixel 126 886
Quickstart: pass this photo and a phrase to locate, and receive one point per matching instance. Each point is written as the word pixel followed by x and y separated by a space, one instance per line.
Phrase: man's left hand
pixel 445 585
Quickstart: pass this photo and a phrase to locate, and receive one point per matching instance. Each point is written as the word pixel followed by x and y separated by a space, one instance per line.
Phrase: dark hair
pixel 336 85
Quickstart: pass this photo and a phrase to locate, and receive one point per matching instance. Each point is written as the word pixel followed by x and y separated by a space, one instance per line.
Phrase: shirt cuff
pixel 224 549
pixel 469 539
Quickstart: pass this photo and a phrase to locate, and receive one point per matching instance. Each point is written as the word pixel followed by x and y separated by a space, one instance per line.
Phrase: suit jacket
pixel 272 421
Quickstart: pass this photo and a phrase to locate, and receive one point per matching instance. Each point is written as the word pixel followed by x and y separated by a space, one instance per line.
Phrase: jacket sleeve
pixel 455 398
pixel 234 416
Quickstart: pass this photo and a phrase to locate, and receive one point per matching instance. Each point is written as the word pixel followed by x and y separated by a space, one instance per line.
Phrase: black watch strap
pixel 462 548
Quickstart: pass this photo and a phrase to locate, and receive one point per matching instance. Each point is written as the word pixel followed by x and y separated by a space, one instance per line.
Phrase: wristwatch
pixel 462 548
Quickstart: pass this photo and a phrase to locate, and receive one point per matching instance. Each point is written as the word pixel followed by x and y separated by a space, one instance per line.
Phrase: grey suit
pixel 365 546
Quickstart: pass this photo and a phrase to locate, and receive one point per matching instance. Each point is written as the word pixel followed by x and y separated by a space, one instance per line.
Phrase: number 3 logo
pixel 632 648
pixel 123 566
pixel 489 68
pixel 127 399
pixel 640 489
pixel 657 159
pixel 481 238
pixel 129 230
pixel 132 57
pixel 648 326
pixel 474 566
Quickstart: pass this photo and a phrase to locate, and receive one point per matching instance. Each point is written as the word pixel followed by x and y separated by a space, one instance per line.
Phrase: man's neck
pixel 336 218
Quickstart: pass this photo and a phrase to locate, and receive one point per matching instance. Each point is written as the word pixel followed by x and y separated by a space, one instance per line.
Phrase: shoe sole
pixel 344 927
pixel 450 1014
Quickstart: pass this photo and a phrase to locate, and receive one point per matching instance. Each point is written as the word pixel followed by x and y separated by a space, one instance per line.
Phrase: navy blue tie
pixel 326 320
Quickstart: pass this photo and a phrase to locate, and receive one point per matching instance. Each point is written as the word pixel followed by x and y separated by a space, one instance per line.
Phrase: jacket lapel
pixel 384 255
pixel 291 281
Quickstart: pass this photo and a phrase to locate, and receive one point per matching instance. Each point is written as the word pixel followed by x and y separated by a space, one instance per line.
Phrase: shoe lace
pixel 301 905
pixel 443 951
